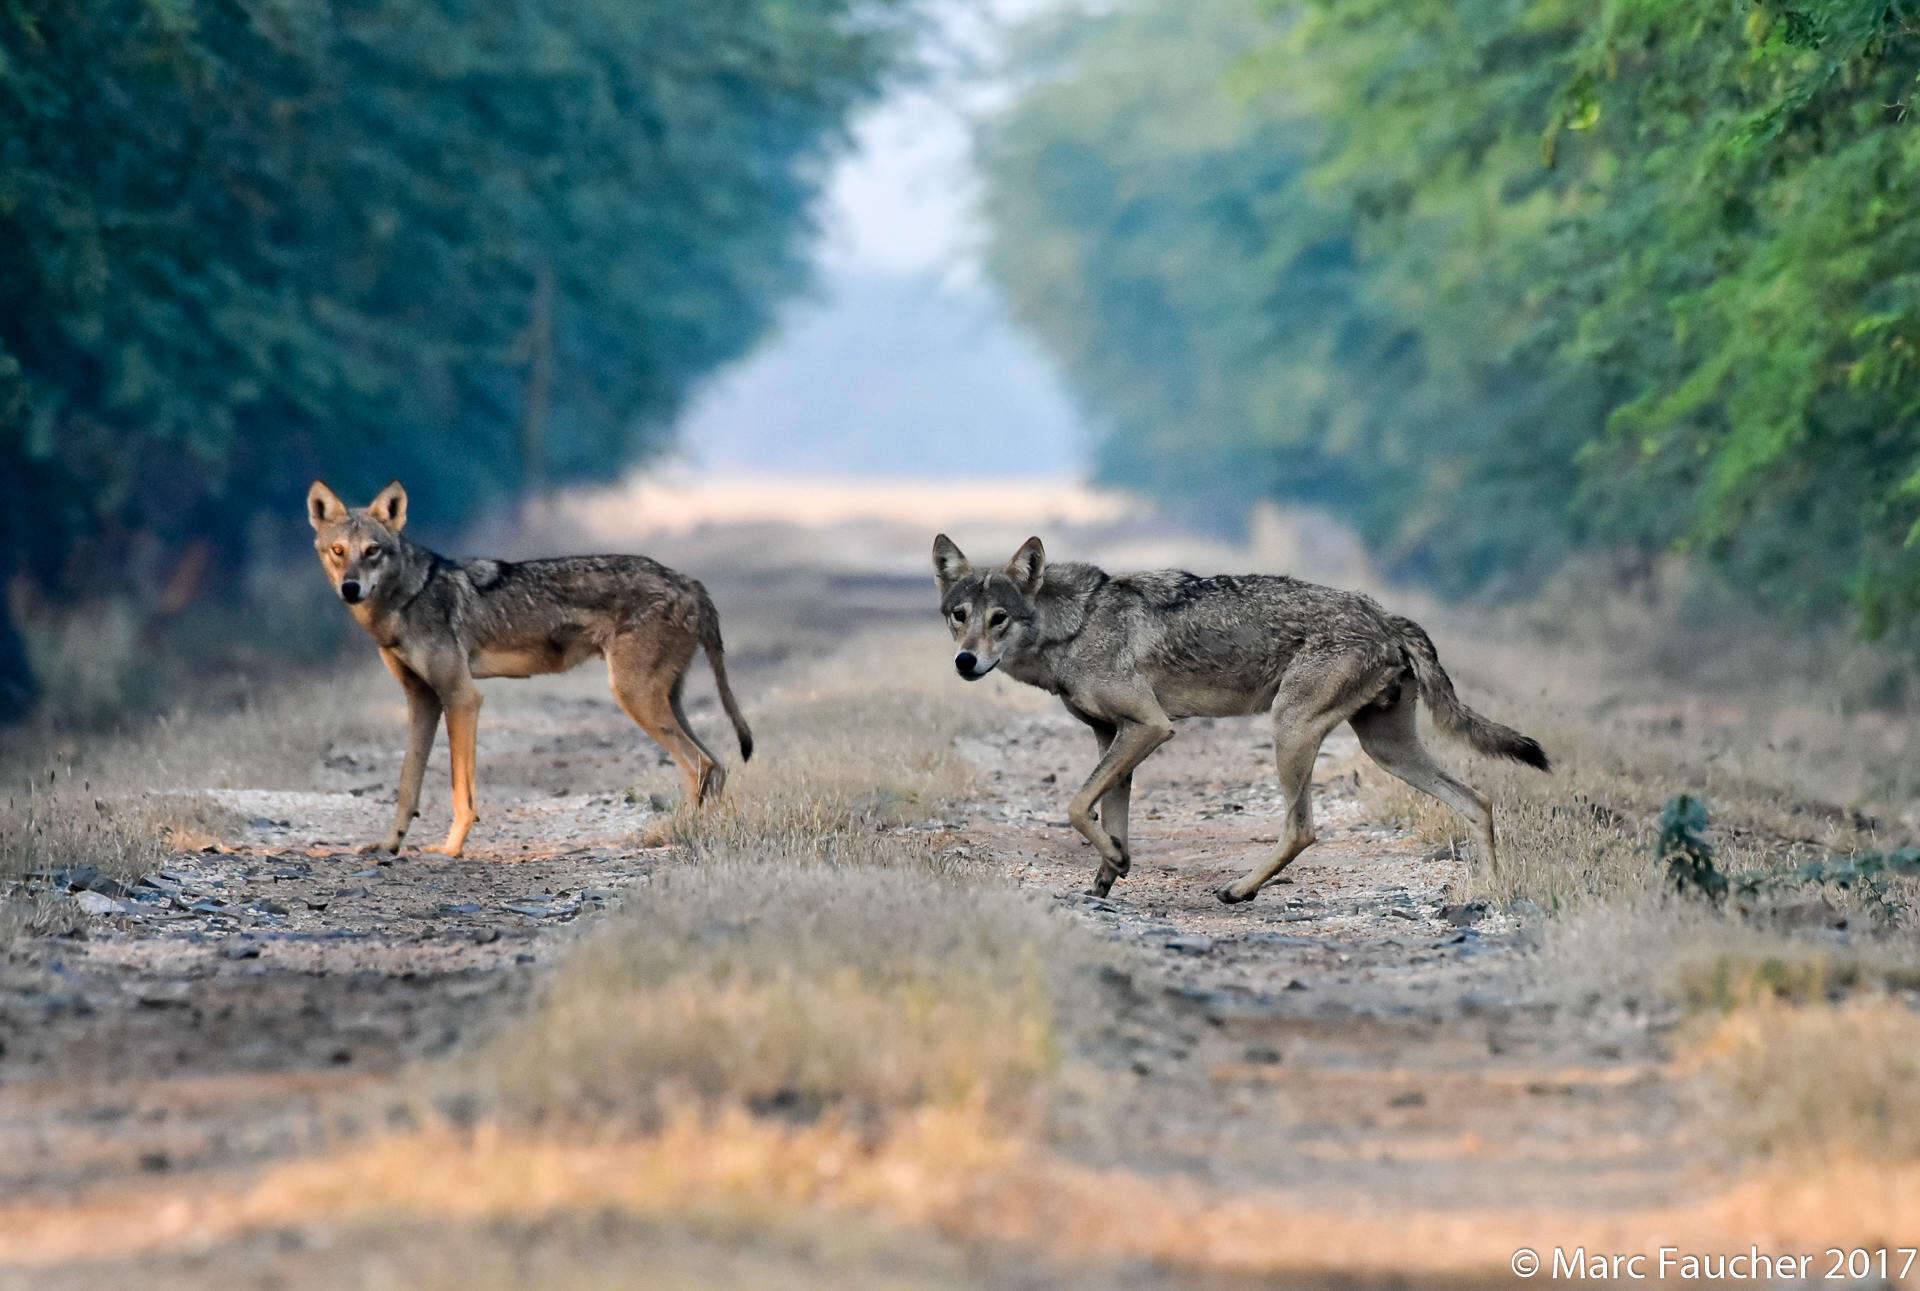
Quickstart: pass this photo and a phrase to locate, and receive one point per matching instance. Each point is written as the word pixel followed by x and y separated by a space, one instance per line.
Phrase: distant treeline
pixel 1496 280
pixel 247 242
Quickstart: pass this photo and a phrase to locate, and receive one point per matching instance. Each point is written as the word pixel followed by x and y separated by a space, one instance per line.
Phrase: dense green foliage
pixel 1496 279
pixel 247 242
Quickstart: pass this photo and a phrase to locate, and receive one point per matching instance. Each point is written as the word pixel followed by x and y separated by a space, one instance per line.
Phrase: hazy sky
pixel 905 201
pixel 903 361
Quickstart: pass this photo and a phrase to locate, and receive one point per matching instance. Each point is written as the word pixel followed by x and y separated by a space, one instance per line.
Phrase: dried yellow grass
pixel 1812 1084
pixel 943 1169
pixel 814 943
pixel 795 986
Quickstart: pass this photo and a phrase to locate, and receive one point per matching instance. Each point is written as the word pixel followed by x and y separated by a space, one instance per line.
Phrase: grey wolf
pixel 440 624
pixel 1132 654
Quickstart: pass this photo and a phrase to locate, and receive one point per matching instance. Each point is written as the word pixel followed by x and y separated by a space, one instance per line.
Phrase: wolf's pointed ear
pixel 389 507
pixel 949 565
pixel 1028 566
pixel 324 505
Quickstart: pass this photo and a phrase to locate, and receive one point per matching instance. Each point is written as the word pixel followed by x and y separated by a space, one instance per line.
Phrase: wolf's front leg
pixel 463 726
pixel 423 719
pixel 1131 745
pixel 1115 806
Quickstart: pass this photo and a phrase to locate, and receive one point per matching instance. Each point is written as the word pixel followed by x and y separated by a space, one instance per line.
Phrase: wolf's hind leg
pixel 1295 757
pixel 645 668
pixel 1391 738
pixel 1315 696
pixel 716 769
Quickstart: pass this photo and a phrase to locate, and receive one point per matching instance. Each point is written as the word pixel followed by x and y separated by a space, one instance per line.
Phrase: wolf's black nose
pixel 963 663
pixel 350 591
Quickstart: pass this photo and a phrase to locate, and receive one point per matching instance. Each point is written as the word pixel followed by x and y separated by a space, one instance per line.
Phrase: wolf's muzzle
pixel 969 667
pixel 350 592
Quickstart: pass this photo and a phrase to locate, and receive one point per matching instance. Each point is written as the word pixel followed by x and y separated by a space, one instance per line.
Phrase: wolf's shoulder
pixel 483 572
pixel 1074 578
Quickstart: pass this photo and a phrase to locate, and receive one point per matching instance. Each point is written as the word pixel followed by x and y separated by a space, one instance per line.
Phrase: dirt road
pixel 1356 1032
pixel 204 1022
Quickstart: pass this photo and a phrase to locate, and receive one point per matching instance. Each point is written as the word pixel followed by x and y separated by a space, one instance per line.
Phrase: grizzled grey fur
pixel 1131 654
pixel 440 624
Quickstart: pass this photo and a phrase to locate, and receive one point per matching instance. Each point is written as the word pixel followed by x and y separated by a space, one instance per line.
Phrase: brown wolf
pixel 441 623
pixel 1129 655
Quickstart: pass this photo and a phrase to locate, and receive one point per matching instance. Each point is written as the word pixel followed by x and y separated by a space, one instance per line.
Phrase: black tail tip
pixel 1528 750
pixel 746 748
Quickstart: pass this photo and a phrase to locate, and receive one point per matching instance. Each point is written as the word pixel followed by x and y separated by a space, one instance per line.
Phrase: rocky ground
pixel 1358 1031
pixel 1355 1030
pixel 203 1015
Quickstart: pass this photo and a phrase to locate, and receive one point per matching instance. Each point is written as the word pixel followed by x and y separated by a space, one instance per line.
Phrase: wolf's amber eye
pixel 996 618
pixel 339 549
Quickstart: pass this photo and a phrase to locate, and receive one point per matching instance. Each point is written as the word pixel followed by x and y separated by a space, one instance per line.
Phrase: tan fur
pixel 1129 655
pixel 441 624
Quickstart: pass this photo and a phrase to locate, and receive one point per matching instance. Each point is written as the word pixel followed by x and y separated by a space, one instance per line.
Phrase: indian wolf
pixel 1130 654
pixel 442 623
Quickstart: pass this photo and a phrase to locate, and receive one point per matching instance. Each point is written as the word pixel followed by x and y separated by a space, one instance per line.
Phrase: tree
pixel 247 242
pixel 1629 277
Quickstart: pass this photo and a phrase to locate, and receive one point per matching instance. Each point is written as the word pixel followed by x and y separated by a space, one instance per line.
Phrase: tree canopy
pixel 1497 280
pixel 248 242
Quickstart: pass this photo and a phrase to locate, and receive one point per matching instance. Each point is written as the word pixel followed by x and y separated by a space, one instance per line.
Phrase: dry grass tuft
pixel 51 829
pixel 267 741
pixel 1813 1085
pixel 65 828
pixel 848 770
pixel 122 802
pixel 814 946
pixel 1743 966
pixel 191 822
pixel 1658 953
pixel 37 914
pixel 795 988
pixel 1562 845
pixel 862 742
pixel 1585 833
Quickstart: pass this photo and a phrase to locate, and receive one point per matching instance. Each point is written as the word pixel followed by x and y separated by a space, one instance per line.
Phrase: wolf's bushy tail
pixel 1452 716
pixel 717 659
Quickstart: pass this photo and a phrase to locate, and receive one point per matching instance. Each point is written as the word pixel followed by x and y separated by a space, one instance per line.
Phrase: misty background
pixel 901 360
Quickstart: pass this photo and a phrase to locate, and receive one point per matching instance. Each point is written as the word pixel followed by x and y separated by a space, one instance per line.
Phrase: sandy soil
pixel 1354 1030
pixel 1351 1030
pixel 1357 1035
pixel 207 1023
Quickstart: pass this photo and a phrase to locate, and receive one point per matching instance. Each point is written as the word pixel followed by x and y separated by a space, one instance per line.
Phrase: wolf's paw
pixel 391 847
pixel 1230 897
